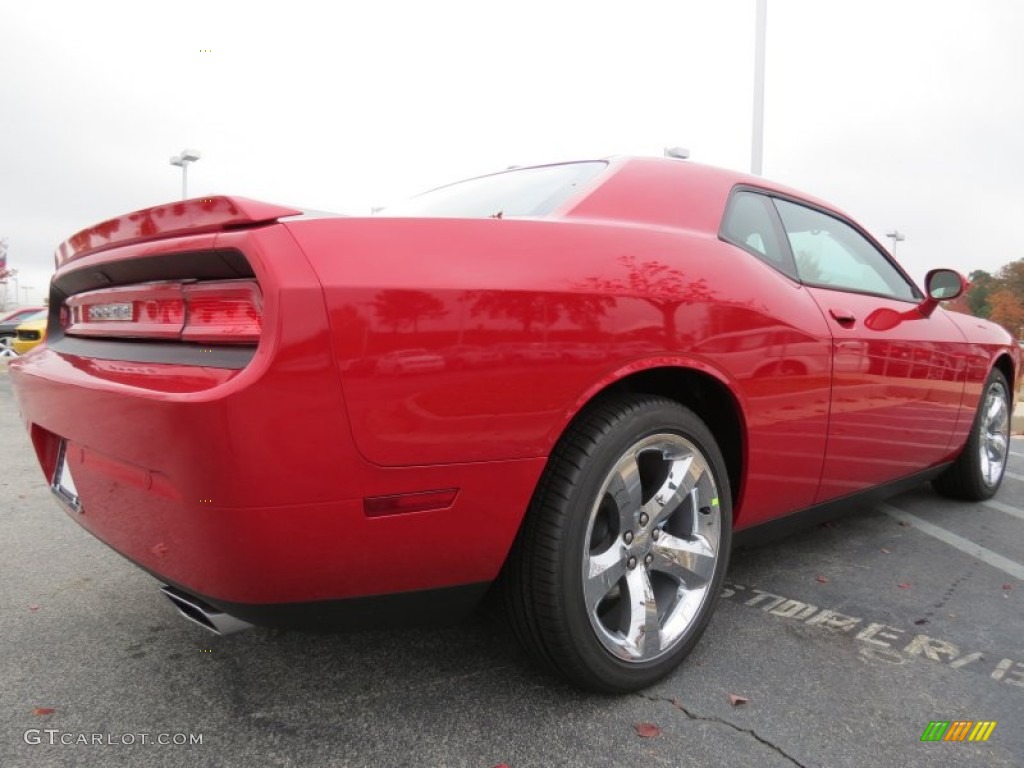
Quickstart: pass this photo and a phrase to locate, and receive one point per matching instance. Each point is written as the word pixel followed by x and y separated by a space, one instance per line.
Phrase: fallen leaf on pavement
pixel 886 551
pixel 737 700
pixel 904 524
pixel 1007 586
pixel 822 579
pixel 647 730
pixel 903 585
pixel 33 607
pixel 43 711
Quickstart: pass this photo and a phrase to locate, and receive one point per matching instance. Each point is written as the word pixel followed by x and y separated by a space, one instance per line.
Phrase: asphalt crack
pixel 712 719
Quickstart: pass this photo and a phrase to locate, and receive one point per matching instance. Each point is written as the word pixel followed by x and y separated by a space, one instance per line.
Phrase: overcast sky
pixel 908 114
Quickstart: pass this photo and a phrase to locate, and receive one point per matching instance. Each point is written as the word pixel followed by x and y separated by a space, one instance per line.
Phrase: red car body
pixel 301 465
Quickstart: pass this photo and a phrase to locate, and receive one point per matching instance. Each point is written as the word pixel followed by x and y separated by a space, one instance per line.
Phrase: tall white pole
pixel 187 156
pixel 897 237
pixel 757 141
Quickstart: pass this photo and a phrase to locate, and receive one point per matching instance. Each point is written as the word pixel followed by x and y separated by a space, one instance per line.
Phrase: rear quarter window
pixel 750 223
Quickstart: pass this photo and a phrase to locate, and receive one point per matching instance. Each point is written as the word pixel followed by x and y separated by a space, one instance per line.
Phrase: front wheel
pixel 978 471
pixel 622 554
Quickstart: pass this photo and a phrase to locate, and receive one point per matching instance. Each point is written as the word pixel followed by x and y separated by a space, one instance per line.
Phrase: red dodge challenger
pixel 574 381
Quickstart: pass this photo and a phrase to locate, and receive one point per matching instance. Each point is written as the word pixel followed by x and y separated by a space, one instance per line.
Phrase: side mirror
pixel 941 285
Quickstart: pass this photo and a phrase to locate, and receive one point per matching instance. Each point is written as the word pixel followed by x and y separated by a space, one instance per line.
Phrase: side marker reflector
pixel 378 506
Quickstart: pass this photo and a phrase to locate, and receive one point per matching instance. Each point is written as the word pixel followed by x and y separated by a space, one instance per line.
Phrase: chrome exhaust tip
pixel 204 614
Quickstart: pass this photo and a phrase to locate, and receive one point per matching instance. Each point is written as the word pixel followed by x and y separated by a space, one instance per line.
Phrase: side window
pixel 832 254
pixel 750 223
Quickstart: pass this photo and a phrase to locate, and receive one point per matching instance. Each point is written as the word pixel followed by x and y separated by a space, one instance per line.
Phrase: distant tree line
pixel 998 297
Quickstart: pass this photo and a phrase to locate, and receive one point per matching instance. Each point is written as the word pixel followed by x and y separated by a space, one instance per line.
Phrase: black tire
pixel 978 470
pixel 573 529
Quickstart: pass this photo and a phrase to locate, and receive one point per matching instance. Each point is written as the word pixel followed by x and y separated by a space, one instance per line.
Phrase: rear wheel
pixel 622 554
pixel 978 471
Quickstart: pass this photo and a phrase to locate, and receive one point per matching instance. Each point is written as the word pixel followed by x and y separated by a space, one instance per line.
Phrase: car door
pixel 897 375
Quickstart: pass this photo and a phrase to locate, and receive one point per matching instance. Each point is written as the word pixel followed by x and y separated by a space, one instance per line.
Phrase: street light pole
pixel 757 139
pixel 897 237
pixel 187 156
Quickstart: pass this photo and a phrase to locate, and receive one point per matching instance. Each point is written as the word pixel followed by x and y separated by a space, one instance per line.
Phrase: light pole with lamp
pixel 187 156
pixel 897 237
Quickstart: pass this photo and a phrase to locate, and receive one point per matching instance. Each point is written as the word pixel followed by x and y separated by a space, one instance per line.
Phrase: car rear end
pixel 154 344
pixel 187 411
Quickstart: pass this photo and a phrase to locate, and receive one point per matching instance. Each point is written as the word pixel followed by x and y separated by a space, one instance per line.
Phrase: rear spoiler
pixel 189 217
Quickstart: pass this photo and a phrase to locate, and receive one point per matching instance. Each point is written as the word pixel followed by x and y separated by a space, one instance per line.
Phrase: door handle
pixel 842 316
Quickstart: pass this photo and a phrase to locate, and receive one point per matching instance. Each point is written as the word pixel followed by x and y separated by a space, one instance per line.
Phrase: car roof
pixel 669 192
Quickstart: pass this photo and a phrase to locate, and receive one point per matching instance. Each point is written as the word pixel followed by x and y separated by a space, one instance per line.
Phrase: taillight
pixel 222 312
pixel 215 312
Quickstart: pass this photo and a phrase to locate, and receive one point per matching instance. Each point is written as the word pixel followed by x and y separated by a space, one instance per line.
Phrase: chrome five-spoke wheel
pixel 995 433
pixel 978 471
pixel 653 541
pixel 618 565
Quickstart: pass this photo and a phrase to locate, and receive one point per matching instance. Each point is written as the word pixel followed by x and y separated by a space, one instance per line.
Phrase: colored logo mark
pixel 958 730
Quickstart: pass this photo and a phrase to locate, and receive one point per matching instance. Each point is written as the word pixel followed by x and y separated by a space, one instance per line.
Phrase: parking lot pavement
pixel 847 640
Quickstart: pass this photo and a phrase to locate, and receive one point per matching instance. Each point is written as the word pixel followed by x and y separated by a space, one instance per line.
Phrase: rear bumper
pixel 244 487
pixel 404 609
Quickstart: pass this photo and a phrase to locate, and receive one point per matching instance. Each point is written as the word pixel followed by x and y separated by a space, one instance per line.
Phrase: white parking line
pixel 1014 475
pixel 1018 455
pixel 993 504
pixel 994 559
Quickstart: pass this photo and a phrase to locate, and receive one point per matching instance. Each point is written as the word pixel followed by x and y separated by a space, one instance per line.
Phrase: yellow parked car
pixel 30 333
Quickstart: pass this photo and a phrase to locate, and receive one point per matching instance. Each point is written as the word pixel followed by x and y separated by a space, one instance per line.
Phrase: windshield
pixel 18 315
pixel 520 192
